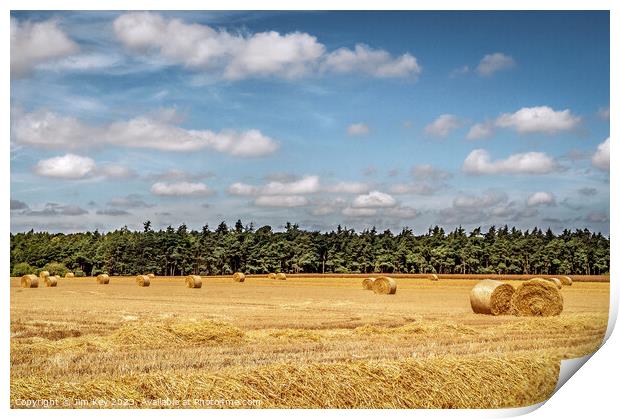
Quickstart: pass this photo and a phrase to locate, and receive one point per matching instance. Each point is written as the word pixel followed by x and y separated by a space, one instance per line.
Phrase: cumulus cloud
pixel 51 209
pixel 18 205
pixel 114 212
pixel 69 166
pixel 486 200
pixel 541 199
pixel 358 129
pixel 237 56
pixel 422 188
pixel 129 201
pixel 374 199
pixel 281 201
pixel 492 63
pixel 429 172
pixel 538 119
pixel 587 191
pixel 481 131
pixel 597 217
pixel 600 159
pixel 402 212
pixel 116 171
pixel 46 129
pixel 36 42
pixel 348 187
pixel 180 189
pixel 359 212
pixel 303 186
pixel 443 126
pixel 479 162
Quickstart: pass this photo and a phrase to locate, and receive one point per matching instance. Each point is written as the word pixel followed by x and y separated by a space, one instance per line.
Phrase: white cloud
pixel 480 131
pixel 442 126
pixel 478 162
pixel 486 200
pixel 82 62
pixel 492 63
pixel 48 130
pixel 35 42
pixel 358 129
pixel 359 212
pixel 600 158
pixel 180 189
pixel 69 166
pixel 413 189
pixel 402 212
pixel 603 113
pixel 116 171
pixel 538 119
pixel 429 172
pixel 373 62
pixel 282 201
pixel 541 198
pixel 305 185
pixel 348 188
pixel 374 199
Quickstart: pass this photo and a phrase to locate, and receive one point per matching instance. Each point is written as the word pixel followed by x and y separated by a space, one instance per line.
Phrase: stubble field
pixel 309 341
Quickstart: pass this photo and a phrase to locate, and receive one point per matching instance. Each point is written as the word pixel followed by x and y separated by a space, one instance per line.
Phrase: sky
pixel 386 119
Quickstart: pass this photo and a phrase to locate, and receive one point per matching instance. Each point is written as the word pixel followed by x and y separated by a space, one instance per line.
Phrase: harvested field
pixel 277 341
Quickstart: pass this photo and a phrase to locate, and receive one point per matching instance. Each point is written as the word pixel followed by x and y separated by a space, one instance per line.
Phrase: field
pixel 309 341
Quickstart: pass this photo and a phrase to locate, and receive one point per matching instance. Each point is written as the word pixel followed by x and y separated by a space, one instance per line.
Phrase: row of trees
pixel 182 251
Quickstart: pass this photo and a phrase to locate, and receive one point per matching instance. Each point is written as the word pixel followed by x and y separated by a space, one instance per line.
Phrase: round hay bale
pixel 384 285
pixel 367 283
pixel 491 297
pixel 151 275
pixel 103 279
pixel 43 274
pixel 69 275
pixel 537 297
pixel 193 281
pixel 51 281
pixel 143 280
pixel 557 282
pixel 271 276
pixel 239 277
pixel 30 281
pixel 433 277
pixel 566 280
pixel 281 276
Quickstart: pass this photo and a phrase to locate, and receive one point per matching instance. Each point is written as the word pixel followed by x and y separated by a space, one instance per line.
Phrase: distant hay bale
pixel 281 276
pixel 566 280
pixel 271 276
pixel 556 281
pixel 103 279
pixel 193 281
pixel 367 283
pixel 43 274
pixel 434 277
pixel 151 275
pixel 143 280
pixel 537 297
pixel 384 285
pixel 239 277
pixel 491 297
pixel 51 281
pixel 69 275
pixel 30 281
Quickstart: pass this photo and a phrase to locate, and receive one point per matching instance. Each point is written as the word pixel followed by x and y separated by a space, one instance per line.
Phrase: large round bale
pixel 367 283
pixel 566 280
pixel 103 279
pixel 272 275
pixel 239 277
pixel 193 281
pixel 537 297
pixel 30 281
pixel 281 276
pixel 43 274
pixel 143 280
pixel 151 275
pixel 384 285
pixel 556 281
pixel 433 277
pixel 491 297
pixel 51 281
pixel 69 275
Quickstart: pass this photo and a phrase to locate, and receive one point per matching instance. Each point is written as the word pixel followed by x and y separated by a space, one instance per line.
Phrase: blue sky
pixel 390 119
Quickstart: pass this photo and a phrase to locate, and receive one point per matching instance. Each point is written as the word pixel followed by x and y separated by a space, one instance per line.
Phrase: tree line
pixel 244 248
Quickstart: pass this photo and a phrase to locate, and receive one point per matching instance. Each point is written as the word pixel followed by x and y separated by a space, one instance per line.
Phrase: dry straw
pixel 193 281
pixel 537 297
pixel 30 281
pixel 433 277
pixel 556 281
pixel 271 276
pixel 143 280
pixel 281 276
pixel 43 274
pixel 491 297
pixel 367 283
pixel 151 275
pixel 69 275
pixel 51 281
pixel 384 285
pixel 103 279
pixel 239 277
pixel 566 280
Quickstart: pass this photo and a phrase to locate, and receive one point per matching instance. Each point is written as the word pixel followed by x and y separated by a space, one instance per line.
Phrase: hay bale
pixel 537 297
pixel 271 276
pixel 566 280
pixel 151 275
pixel 433 277
pixel 367 283
pixel 103 279
pixel 143 280
pixel 239 277
pixel 69 275
pixel 51 281
pixel 281 276
pixel 30 281
pixel 491 297
pixel 193 281
pixel 384 285
pixel 556 281
pixel 43 274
